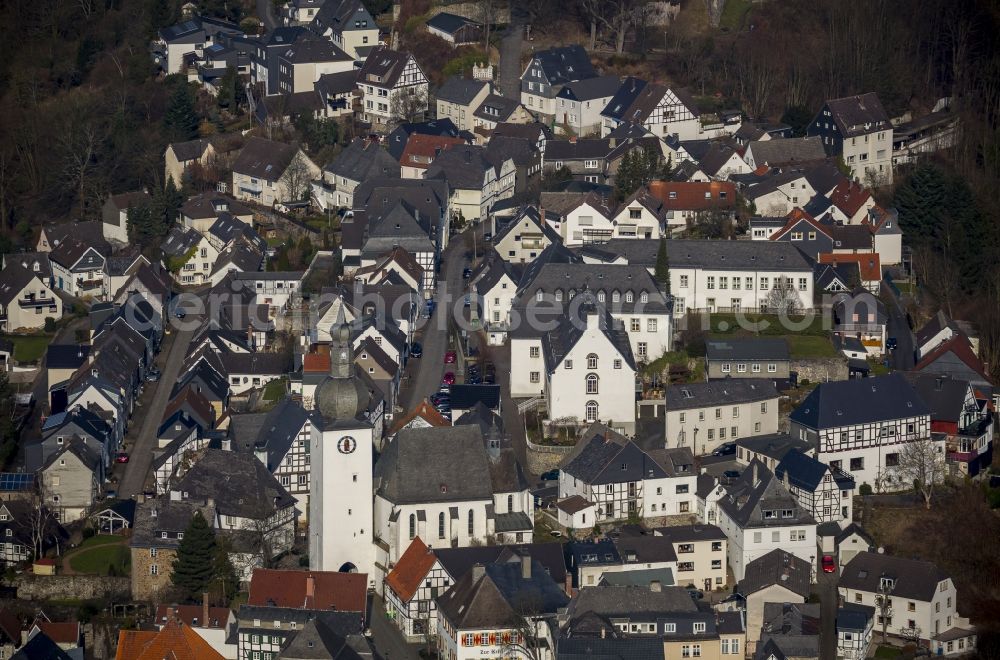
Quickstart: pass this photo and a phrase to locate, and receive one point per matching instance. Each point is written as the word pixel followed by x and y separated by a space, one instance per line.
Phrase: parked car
pixel 725 450
pixel 467 273
pixel 111 494
pixel 551 475
pixel 468 300
pixel 416 350
pixel 829 565
pixel 122 457
pixel 487 236
pixel 180 313
pixel 450 357
pixel 440 397
pixel 153 375
pixel 731 474
pixel 474 379
pixel 449 378
pixel 696 594
pixel 429 308
pixel 891 343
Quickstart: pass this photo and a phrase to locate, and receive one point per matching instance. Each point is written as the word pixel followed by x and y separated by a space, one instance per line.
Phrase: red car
pixel 449 378
pixel 450 357
pixel 829 565
pixel 122 457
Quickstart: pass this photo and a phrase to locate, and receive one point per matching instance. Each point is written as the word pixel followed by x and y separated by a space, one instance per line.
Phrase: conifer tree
pixel 195 566
pixel 180 119
pixel 663 266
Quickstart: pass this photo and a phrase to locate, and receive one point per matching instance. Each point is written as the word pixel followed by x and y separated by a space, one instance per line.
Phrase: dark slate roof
pixel 859 401
pixel 324 638
pixel 66 356
pixel 625 601
pixel 266 364
pixel 803 471
pixel 363 159
pixel 449 23
pixel 645 549
pixel 777 567
pixel 463 167
pixel 714 254
pixel 457 90
pixel 609 648
pixel 264 159
pixel 729 391
pixel 434 465
pixel 310 48
pixel 628 92
pixel 41 647
pixel 599 462
pixel 773 445
pixel 914 578
pixel 210 204
pixel 944 395
pixel 687 533
pixel 747 499
pixel 860 114
pixel 938 322
pixel 853 617
pixel 787 150
pixel 467 396
pixel 278 429
pixel 332 84
pixel 642 577
pixel 590 89
pixel 459 561
pixel 557 343
pixel 190 150
pixel 565 64
pixel 240 485
pixel 385 64
pixel 737 348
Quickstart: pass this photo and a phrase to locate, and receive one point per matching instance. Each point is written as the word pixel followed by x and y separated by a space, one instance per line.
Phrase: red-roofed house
pixel 310 590
pixel 66 635
pixel 685 201
pixel 421 150
pixel 176 641
pixel 853 200
pixel 421 417
pixel 213 624
pixel 955 357
pixel 411 587
pixel 869 267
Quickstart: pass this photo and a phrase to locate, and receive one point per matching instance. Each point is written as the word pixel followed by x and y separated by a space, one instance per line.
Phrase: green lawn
pixel 100 539
pixel 102 559
pixel 807 346
pixel 29 348
pixel 886 653
pixel 733 13
pixel 763 324
pixel 275 390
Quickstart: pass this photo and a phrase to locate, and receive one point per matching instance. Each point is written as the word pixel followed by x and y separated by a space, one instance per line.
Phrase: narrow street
pixel 265 12
pixel 424 373
pixel 903 358
pixel 509 73
pixel 388 640
pixel 829 601
pixel 170 361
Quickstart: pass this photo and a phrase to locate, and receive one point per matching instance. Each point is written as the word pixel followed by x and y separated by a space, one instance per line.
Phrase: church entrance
pixel 348 567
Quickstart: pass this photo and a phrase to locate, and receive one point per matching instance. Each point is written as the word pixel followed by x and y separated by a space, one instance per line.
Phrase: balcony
pixel 32 302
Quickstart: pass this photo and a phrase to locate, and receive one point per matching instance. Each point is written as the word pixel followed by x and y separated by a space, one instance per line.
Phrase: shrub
pixel 50 324
pixel 88 532
pixel 304 561
pixel 865 489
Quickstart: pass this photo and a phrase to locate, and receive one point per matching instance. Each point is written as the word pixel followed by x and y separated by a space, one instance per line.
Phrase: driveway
pixel 903 358
pixel 424 374
pixel 141 449
pixel 265 12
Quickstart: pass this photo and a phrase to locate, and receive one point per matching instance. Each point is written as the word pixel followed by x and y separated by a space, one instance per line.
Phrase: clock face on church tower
pixel 347 445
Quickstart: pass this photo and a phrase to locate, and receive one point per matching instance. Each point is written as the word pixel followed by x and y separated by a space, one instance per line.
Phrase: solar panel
pixel 13 481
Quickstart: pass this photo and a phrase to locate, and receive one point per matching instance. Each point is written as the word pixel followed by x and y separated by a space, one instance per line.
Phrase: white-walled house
pixel 921 600
pixel 759 515
pixel 267 172
pixel 589 372
pixel 623 481
pixel 858 129
pixel 349 25
pixel 387 81
pixel 862 425
pixel 661 110
pixel 703 416
pixel 641 216
pixel 826 493
pixel 25 300
pixel 548 72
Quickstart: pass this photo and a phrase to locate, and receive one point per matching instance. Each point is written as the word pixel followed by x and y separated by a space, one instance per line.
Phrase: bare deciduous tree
pixel 408 105
pixel 782 298
pixel 296 178
pixel 618 16
pixel 921 462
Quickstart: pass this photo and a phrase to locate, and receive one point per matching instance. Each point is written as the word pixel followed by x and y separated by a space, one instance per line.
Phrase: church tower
pixel 340 502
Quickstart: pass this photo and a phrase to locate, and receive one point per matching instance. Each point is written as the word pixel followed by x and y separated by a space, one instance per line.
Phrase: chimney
pixel 655 586
pixel 602 632
pixel 478 572
pixel 170 614
pixel 612 142
pixel 525 567
pixel 204 609
pixel 572 139
pixel 310 586
pixel 755 479
pixel 568 584
pixel 784 480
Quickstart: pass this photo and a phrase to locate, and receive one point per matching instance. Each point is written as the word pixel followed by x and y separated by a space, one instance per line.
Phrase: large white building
pixel 758 515
pixel 861 426
pixel 392 86
pixel 916 599
pixel 702 416
pixel 452 487
pixel 858 129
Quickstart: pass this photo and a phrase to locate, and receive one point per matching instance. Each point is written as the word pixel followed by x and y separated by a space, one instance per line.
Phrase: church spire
pixel 341 354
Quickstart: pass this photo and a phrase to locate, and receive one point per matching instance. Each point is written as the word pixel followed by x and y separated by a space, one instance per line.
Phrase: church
pixel 340 503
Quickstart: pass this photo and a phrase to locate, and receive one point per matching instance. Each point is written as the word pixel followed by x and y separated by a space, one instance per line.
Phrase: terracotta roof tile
pixel 421 150
pixel 316 363
pixel 849 197
pixel 424 410
pixel 694 195
pixel 176 641
pixel 409 572
pixel 315 590
pixel 868 264
pixel 194 615
pixel 61 633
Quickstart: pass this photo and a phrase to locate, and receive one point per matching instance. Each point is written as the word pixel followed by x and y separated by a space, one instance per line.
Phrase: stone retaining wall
pixel 63 587
pixel 542 458
pixel 820 370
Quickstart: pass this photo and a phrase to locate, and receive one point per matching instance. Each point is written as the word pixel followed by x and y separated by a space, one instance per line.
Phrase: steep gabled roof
pixel 859 114
pixel 264 159
pixel 461 91
pixel 175 640
pixel 410 569
pixel 777 567
pixel 309 590
pixel 564 64
pixel 859 401
pixel 912 578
